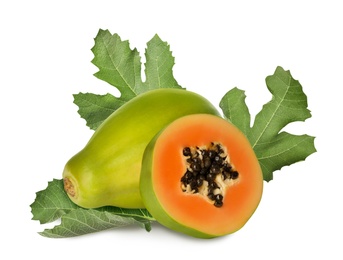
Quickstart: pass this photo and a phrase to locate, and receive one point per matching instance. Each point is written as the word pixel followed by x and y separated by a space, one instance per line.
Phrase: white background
pixel 45 57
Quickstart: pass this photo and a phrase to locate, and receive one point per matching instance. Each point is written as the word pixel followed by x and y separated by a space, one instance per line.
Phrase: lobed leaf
pixel 120 66
pixel 274 149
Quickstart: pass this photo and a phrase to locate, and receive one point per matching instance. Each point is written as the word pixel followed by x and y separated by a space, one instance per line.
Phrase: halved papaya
pixel 200 176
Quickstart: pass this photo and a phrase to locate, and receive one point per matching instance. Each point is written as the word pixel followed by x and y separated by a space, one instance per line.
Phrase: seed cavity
pixel 208 172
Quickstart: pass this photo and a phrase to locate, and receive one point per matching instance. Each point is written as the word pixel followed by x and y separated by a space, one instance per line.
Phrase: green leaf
pixel 50 204
pixel 85 221
pixel 284 149
pixel 274 148
pixel 96 108
pixel 289 104
pixel 235 110
pixel 159 65
pixel 138 214
pixel 53 203
pixel 120 66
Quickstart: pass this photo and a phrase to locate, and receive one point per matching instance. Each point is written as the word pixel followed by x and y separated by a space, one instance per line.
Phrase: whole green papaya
pixel 106 171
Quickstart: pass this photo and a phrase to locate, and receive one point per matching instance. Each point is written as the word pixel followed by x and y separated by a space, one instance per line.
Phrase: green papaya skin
pixel 106 171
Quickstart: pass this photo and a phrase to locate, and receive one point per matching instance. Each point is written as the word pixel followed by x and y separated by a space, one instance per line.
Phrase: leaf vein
pixel 271 117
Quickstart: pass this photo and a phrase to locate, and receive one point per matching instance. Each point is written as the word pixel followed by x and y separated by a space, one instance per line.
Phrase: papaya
pixel 200 176
pixel 106 171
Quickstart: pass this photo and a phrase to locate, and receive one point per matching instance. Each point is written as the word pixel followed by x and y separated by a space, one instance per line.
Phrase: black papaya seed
pixel 218 203
pixel 234 175
pixel 186 151
pixel 196 167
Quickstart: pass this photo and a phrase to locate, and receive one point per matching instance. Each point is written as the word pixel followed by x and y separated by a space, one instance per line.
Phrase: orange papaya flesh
pixel 197 210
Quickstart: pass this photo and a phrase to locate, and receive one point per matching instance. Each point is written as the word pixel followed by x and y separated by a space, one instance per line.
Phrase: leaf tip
pixel 157 37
